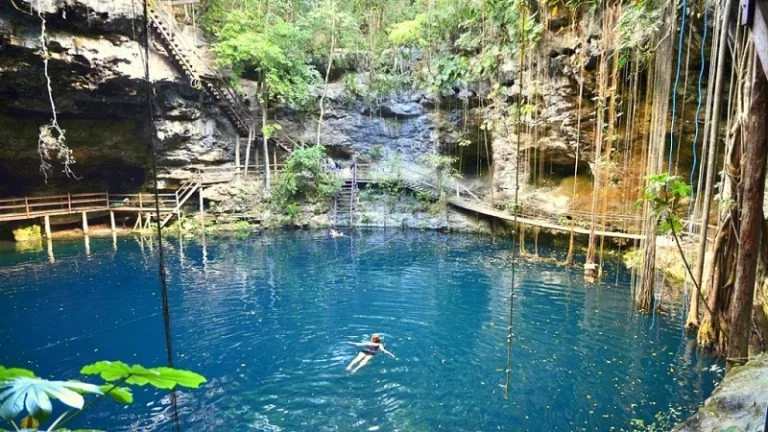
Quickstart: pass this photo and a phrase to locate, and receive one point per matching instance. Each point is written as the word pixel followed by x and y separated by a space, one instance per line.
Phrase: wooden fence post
pixel 85 223
pixel 69 202
pixel 202 209
pixel 47 224
pixel 26 204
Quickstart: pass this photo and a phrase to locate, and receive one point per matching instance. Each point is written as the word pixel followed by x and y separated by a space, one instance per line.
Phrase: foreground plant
pixel 22 394
pixel 664 192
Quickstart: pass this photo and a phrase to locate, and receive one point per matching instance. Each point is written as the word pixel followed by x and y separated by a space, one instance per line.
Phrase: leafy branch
pixel 663 192
pixel 21 392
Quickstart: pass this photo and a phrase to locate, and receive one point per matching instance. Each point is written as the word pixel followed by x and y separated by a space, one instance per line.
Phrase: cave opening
pixel 110 154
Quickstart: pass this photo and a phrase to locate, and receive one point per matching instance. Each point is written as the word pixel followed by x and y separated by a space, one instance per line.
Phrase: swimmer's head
pixel 376 338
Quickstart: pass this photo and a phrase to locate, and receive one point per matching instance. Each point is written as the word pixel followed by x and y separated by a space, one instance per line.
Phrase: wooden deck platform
pixel 487 211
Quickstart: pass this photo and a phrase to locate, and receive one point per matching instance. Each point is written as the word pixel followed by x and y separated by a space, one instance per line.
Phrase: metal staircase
pixel 182 55
pixel 345 202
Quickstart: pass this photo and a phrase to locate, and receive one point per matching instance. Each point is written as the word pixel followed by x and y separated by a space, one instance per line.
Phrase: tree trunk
pixel 248 151
pixel 655 162
pixel 327 76
pixel 266 145
pixel 237 154
pixel 750 232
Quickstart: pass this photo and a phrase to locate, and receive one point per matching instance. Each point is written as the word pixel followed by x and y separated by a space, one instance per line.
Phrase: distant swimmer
pixel 335 233
pixel 366 355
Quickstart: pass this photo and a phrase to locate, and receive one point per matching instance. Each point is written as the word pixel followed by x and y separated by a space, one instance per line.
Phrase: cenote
pixel 266 320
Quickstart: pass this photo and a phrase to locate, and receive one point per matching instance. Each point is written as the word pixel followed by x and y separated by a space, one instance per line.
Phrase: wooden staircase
pixel 184 192
pixel 182 55
pixel 421 187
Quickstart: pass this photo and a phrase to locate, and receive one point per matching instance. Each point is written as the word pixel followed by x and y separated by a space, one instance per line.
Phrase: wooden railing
pixel 142 201
pixel 30 207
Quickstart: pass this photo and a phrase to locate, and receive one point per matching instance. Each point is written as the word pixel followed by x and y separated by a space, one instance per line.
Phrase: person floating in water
pixel 366 355
pixel 335 233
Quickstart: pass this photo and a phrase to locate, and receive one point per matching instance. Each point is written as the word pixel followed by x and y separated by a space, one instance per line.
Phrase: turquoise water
pixel 266 319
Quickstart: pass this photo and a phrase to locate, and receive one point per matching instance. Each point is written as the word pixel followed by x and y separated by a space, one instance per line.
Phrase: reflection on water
pixel 266 320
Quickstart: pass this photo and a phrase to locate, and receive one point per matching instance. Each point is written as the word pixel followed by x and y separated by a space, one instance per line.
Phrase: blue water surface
pixel 266 319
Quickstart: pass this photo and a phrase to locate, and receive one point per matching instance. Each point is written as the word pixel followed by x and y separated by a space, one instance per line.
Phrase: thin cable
pixel 161 258
pixel 674 90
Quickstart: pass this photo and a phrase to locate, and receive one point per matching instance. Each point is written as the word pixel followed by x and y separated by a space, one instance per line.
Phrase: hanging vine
pixel 51 141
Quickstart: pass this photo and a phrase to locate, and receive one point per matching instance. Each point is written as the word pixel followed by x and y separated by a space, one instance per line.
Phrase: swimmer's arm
pixel 386 352
pixel 357 343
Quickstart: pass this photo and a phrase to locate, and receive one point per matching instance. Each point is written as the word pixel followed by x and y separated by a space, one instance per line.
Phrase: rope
pixel 161 259
pixel 510 335
pixel 674 91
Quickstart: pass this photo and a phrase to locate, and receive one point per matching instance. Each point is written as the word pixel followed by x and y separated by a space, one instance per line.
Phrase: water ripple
pixel 267 319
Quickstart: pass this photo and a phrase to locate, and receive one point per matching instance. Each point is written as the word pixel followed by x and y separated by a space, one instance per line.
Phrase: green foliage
pixel 638 23
pixel 426 197
pixel 159 377
pixel 242 226
pixel 377 152
pixel 663 422
pixel 121 395
pixel 269 130
pixel 442 43
pixel 273 47
pixel 23 393
pixel 10 373
pixel 663 192
pixel 304 177
pixel 409 32
pixel 392 178
pixel 292 211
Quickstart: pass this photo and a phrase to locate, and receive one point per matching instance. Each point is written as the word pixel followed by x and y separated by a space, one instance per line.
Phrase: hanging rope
pixel 510 328
pixel 161 258
pixel 674 89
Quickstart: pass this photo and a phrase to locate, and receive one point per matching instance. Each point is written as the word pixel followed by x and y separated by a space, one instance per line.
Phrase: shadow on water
pixel 266 319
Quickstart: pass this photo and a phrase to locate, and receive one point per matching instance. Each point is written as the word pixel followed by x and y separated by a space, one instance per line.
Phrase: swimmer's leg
pixel 355 360
pixel 363 362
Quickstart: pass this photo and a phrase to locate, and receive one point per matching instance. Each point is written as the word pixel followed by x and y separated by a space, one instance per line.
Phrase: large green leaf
pixel 120 395
pixel 35 395
pixel 160 377
pixel 11 373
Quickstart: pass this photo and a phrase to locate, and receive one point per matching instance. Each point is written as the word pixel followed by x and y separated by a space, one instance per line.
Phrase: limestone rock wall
pixel 739 402
pixel 97 74
pixel 97 81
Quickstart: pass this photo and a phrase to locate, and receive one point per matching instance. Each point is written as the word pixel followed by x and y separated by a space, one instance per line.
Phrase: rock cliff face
pixel 738 404
pixel 97 83
pixel 97 75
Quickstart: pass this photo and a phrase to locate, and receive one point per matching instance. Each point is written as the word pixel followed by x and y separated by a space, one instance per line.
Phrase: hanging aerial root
pixel 51 142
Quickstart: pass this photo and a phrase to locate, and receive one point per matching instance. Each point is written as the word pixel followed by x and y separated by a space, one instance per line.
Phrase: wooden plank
pixel 46 198
pixel 11 207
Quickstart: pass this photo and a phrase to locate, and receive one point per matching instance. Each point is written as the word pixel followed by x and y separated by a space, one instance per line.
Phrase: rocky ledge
pixel 738 404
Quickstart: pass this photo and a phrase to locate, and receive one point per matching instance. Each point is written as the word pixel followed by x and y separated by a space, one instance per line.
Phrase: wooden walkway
pixel 467 200
pixel 485 210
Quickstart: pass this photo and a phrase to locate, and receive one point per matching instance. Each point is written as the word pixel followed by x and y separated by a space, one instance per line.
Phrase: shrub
pixel 304 177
